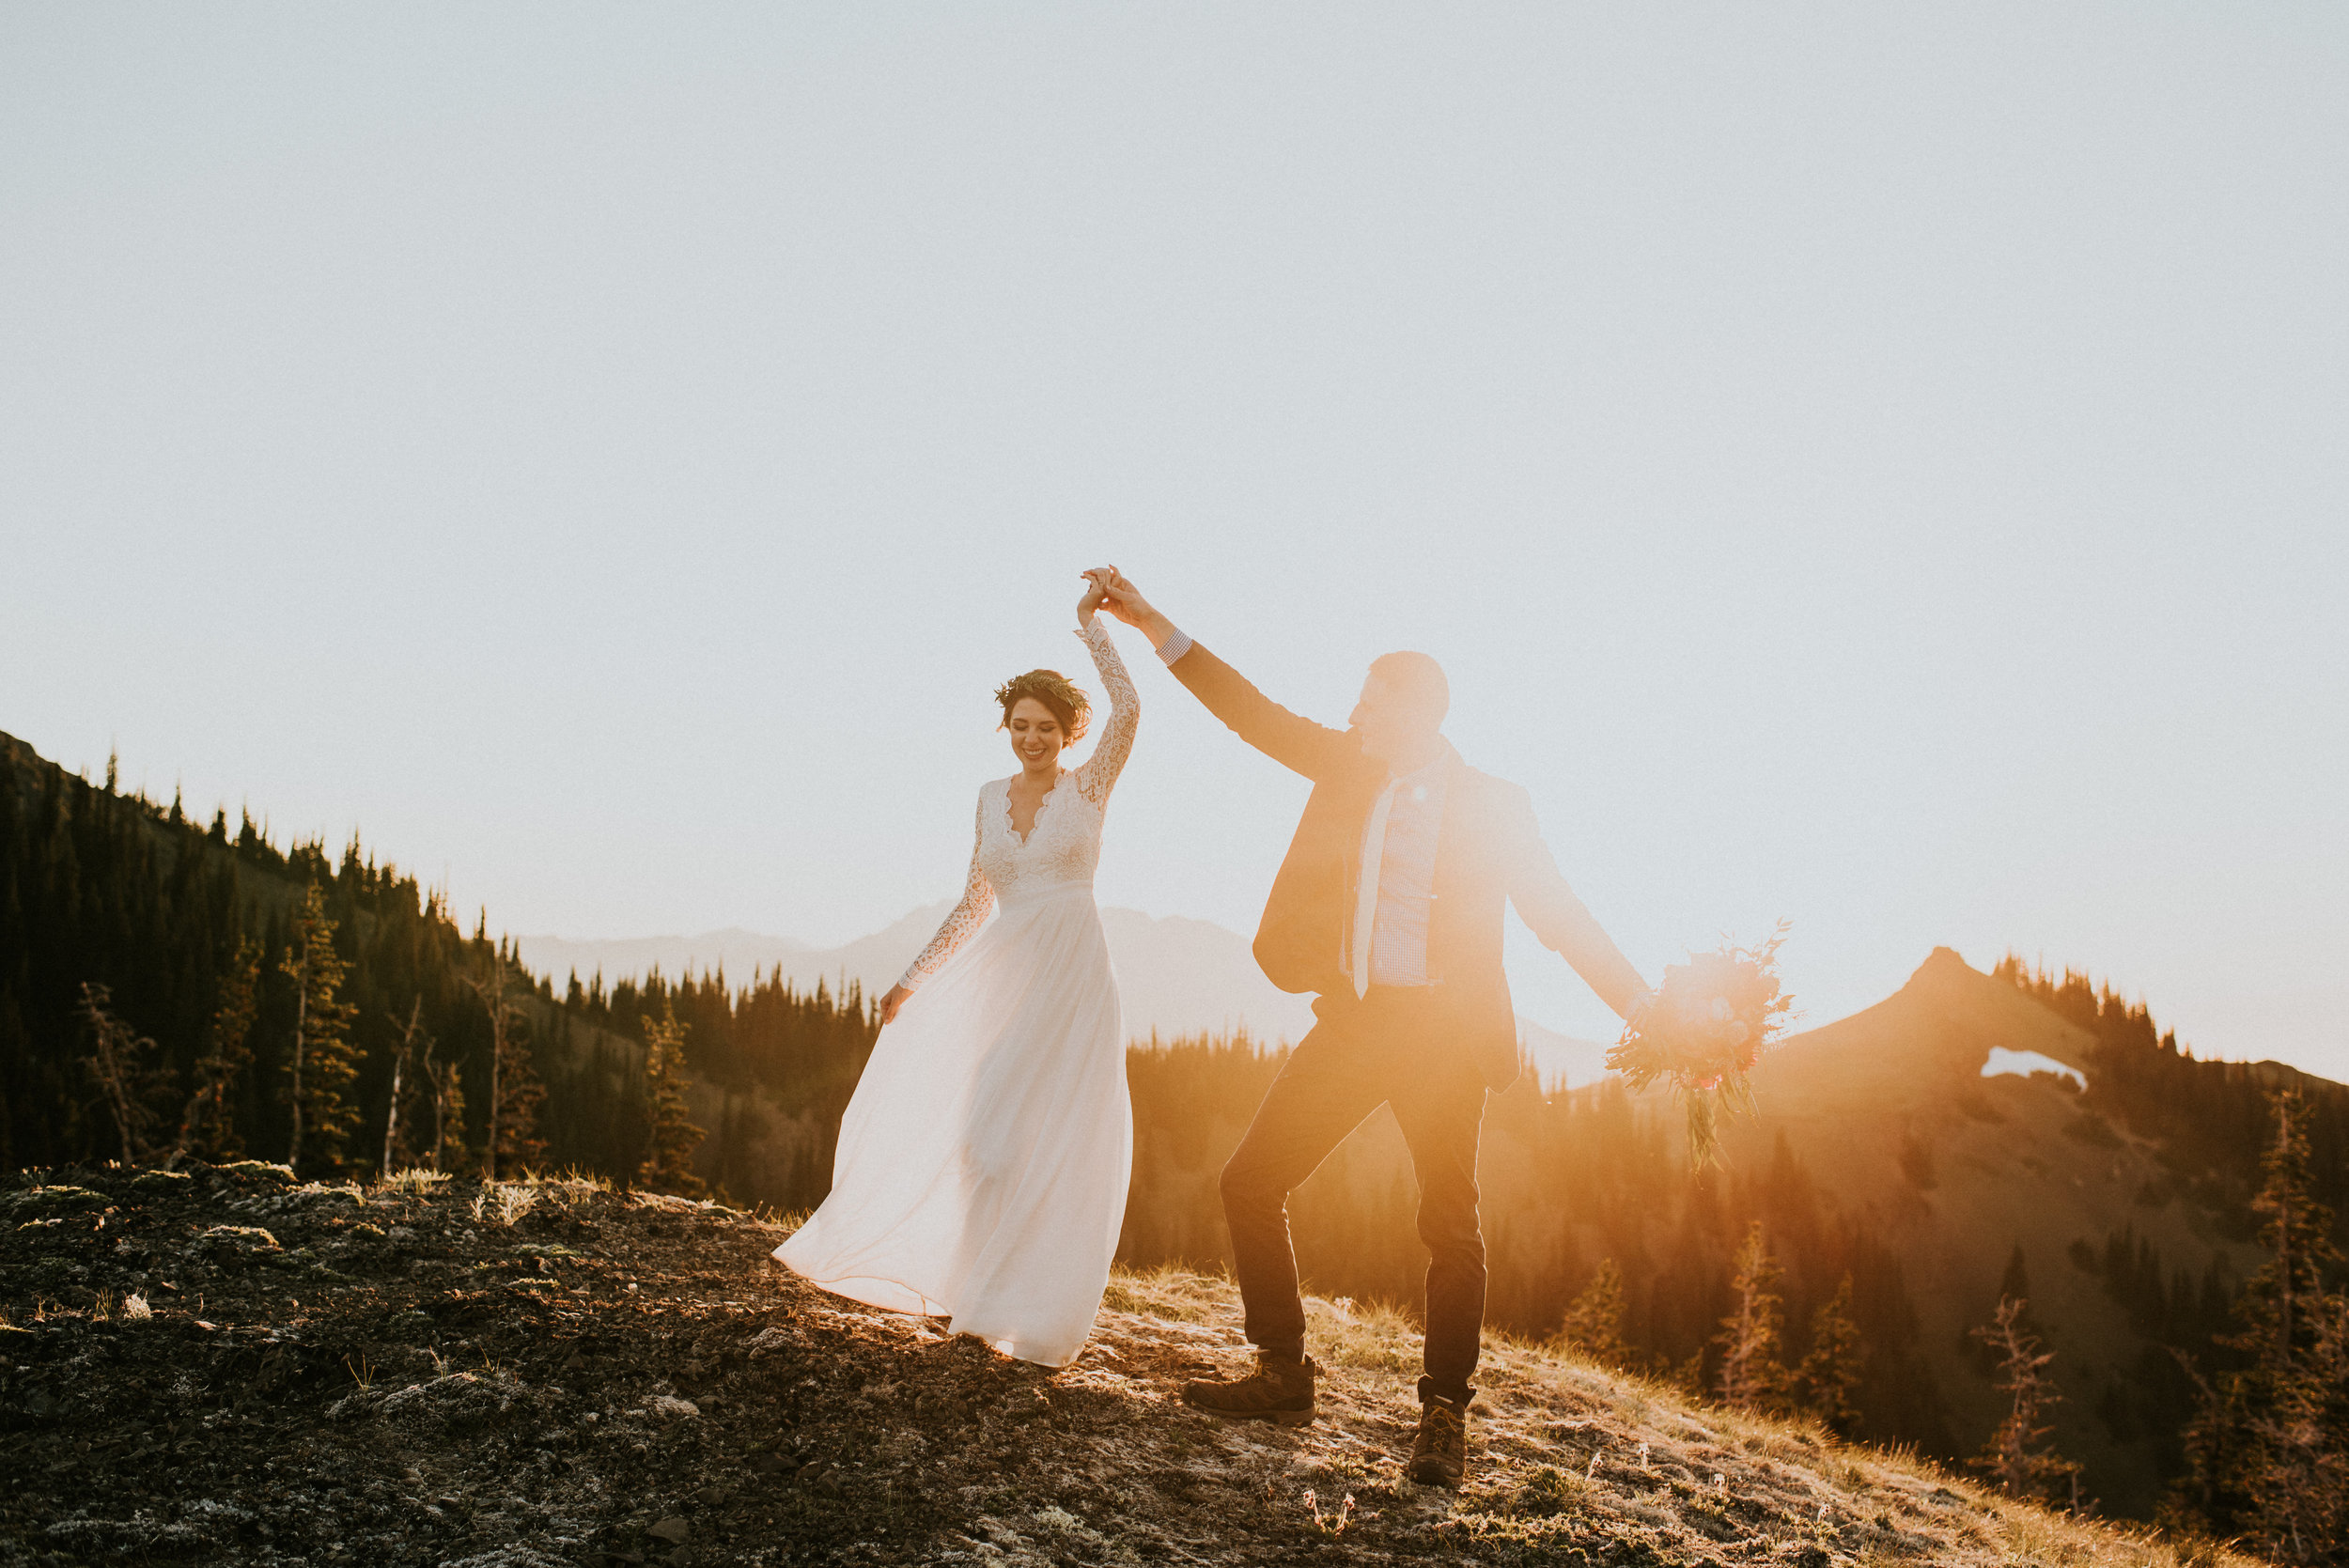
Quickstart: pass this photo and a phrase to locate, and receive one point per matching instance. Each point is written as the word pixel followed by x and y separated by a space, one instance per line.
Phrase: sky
pixel 1879 467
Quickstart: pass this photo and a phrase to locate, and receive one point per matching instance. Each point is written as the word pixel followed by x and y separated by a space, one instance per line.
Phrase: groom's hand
pixel 1124 601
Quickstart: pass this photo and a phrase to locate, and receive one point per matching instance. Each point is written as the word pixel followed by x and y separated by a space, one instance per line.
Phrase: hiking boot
pixel 1279 1390
pixel 1440 1448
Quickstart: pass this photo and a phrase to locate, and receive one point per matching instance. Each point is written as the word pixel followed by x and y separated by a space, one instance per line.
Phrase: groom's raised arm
pixel 1288 738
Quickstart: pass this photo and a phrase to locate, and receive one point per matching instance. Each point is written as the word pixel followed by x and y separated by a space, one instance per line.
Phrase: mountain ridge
pixel 1179 977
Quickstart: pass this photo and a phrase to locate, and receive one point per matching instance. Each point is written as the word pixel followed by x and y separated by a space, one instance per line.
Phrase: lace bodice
pixel 1065 843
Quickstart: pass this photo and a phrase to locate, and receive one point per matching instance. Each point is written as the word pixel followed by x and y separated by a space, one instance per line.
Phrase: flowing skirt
pixel 983 1160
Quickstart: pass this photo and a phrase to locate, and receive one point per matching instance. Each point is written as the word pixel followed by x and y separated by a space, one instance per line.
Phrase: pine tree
pixel 1593 1321
pixel 414 1048
pixel 449 1156
pixel 2015 1458
pixel 209 1126
pixel 669 1145
pixel 2267 1433
pixel 1751 1375
pixel 2014 1284
pixel 2282 1305
pixel 2016 1281
pixel 515 1127
pixel 514 1088
pixel 1830 1369
pixel 325 1065
pixel 122 1063
pixel 2302 1513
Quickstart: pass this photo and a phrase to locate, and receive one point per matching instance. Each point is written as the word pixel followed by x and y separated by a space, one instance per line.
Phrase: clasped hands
pixel 1110 589
pixel 1106 587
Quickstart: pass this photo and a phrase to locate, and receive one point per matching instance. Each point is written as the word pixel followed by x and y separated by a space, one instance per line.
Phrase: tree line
pixel 2210 1120
pixel 171 989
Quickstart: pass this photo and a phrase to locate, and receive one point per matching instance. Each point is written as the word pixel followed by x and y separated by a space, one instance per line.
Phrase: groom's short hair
pixel 1416 680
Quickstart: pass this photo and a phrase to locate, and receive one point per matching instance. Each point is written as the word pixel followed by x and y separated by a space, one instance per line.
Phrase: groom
pixel 1389 906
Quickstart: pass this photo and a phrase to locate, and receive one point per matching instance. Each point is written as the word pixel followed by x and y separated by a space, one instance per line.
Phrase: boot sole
pixel 1430 1475
pixel 1278 1417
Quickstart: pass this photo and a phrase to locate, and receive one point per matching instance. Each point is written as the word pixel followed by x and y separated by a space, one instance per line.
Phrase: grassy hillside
pixel 230 1367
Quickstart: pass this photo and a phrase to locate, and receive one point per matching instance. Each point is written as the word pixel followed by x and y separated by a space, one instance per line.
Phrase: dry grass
pixel 1564 1450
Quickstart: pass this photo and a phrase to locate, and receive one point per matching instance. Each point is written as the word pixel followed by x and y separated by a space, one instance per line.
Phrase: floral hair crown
pixel 1051 688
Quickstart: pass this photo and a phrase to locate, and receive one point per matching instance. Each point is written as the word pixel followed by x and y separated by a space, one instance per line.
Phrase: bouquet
pixel 1703 1032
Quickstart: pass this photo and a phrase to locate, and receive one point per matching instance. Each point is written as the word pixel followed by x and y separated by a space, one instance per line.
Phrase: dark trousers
pixel 1387 1048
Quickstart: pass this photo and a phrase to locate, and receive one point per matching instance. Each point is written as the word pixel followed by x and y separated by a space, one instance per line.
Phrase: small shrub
pixel 1549 1491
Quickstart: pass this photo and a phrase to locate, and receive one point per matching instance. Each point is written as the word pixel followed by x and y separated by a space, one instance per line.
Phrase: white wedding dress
pixel 983 1160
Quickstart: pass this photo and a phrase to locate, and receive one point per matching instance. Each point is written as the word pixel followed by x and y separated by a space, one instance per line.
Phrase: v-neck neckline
pixel 1036 821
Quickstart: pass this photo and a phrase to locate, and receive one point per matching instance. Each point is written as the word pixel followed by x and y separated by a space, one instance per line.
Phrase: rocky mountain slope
pixel 224 1366
pixel 1892 1120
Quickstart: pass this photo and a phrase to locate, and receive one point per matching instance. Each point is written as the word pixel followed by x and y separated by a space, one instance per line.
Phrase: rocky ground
pixel 222 1365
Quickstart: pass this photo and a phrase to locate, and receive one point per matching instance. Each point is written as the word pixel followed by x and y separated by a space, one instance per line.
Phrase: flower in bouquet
pixel 1703 1032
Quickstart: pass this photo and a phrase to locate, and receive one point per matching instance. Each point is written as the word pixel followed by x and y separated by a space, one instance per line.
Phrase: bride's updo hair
pixel 1051 688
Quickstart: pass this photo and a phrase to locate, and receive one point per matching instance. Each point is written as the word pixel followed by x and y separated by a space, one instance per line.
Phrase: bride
pixel 982 1159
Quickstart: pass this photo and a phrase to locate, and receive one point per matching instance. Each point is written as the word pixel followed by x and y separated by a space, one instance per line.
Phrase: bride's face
pixel 1036 737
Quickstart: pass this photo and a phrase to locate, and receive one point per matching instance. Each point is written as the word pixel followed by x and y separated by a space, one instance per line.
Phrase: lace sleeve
pixel 962 924
pixel 1098 776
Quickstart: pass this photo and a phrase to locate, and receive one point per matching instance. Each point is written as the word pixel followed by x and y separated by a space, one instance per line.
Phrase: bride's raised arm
pixel 962 923
pixel 1098 776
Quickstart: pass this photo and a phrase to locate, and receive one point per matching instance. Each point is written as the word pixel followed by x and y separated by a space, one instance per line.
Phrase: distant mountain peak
pixel 1178 976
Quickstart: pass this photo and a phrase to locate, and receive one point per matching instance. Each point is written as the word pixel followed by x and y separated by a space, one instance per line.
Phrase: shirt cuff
pixel 1173 647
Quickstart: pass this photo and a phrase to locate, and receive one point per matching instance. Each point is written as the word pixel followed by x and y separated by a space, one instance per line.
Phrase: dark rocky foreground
pixel 224 1366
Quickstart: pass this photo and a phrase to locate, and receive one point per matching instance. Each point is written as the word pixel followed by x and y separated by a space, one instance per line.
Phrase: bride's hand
pixel 1097 583
pixel 890 1003
pixel 1121 597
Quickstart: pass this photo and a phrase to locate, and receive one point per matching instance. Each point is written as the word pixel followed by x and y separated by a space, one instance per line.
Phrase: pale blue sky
pixel 1883 466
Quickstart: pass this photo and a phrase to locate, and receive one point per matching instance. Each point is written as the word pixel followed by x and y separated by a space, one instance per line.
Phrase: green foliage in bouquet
pixel 1703 1032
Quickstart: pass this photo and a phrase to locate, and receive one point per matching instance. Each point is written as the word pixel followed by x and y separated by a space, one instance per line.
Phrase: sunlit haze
pixel 1882 467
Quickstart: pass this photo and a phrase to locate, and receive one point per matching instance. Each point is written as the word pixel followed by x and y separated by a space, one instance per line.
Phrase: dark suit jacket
pixel 1489 850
